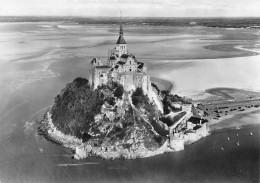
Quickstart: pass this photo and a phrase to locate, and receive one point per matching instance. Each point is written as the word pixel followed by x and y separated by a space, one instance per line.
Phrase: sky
pixel 132 8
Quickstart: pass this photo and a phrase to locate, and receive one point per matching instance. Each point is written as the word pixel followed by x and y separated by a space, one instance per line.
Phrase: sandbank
pixel 235 120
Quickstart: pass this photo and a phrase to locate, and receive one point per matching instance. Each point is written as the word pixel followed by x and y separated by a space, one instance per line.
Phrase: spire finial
pixel 121 39
pixel 121 16
pixel 121 26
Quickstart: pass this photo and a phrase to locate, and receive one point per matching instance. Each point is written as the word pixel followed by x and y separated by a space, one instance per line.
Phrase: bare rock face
pixel 111 122
pixel 80 153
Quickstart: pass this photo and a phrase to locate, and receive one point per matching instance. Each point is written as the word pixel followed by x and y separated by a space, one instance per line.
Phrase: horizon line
pixel 88 16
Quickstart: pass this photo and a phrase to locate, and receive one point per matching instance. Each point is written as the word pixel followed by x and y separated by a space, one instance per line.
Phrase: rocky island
pixel 120 113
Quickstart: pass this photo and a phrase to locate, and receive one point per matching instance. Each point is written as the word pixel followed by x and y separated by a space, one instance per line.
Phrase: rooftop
pixel 140 66
pixel 132 73
pixel 124 56
pixel 121 40
pixel 103 67
pixel 121 63
pixel 112 57
pixel 196 120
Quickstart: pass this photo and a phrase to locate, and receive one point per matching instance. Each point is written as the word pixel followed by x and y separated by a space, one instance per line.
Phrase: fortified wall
pixel 187 129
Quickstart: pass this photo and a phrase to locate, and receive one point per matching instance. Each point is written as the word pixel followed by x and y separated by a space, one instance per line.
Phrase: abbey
pixel 121 67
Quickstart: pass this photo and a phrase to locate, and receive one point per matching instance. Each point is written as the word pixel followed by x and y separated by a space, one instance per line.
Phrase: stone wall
pixel 176 143
pixel 203 130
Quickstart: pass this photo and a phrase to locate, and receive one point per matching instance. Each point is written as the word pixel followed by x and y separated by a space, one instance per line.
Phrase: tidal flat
pixel 38 59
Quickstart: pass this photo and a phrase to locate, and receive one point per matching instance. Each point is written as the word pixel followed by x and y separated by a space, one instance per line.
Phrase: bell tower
pixel 121 46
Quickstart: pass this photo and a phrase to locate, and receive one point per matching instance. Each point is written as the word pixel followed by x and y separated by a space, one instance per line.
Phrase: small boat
pixel 251 133
pixel 228 138
pixel 237 134
pixel 238 143
pixel 222 148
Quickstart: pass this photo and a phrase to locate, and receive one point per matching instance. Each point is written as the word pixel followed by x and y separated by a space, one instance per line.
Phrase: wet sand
pixel 199 75
pixel 236 120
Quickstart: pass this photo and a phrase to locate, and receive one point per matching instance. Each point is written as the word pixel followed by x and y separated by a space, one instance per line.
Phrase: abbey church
pixel 121 67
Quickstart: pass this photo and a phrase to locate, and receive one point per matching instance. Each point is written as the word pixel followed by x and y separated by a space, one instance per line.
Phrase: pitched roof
pixel 103 67
pixel 195 120
pixel 132 56
pixel 121 63
pixel 124 56
pixel 121 40
pixel 140 66
pixel 112 57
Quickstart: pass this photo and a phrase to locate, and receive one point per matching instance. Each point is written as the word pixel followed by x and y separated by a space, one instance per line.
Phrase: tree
pixel 74 108
pixel 119 91
pixel 138 97
pixel 138 92
pixel 81 82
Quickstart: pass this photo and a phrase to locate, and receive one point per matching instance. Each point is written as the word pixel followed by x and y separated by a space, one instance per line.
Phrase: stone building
pixel 121 67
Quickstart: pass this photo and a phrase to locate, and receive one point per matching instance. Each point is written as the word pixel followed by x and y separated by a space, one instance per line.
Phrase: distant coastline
pixel 224 22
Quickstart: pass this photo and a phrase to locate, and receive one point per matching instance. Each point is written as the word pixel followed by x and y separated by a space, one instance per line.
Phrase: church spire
pixel 121 25
pixel 121 39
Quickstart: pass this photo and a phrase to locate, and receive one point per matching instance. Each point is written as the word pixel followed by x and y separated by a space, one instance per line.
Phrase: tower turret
pixel 121 39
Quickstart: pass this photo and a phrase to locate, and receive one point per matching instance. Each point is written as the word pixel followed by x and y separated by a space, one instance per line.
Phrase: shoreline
pixel 162 84
pixel 83 150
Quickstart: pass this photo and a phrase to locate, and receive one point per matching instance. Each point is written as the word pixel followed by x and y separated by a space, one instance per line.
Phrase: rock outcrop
pixel 109 122
pixel 112 123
